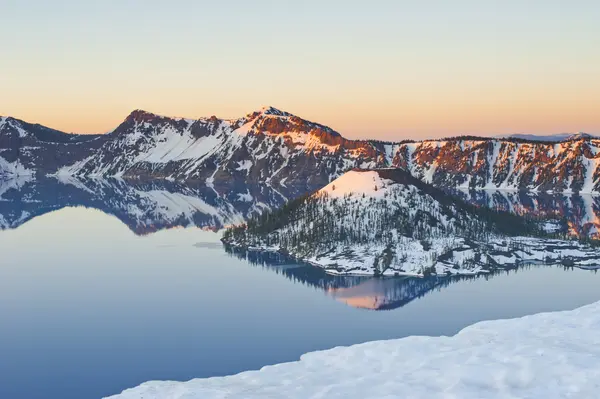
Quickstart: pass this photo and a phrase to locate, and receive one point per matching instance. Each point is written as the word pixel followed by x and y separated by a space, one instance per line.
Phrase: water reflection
pixel 149 206
pixel 362 291
pixel 81 295
pixel 581 212
pixel 144 206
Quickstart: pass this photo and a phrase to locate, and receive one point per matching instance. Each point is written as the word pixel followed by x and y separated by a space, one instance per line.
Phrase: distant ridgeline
pixel 279 149
pixel 387 222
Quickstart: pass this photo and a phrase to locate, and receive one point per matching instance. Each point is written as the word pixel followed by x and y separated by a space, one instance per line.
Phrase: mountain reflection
pixel 581 212
pixel 147 206
pixel 144 206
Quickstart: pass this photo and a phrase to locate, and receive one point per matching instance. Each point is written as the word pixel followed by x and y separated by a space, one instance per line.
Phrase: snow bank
pixel 549 355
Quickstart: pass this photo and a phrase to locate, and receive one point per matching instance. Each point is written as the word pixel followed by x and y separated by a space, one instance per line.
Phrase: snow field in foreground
pixel 547 356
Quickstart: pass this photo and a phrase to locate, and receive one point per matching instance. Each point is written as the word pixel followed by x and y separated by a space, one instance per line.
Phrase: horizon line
pixel 490 135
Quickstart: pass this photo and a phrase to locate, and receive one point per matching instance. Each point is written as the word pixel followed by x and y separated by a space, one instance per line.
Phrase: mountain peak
pixel 139 115
pixel 580 136
pixel 269 110
pixel 357 182
pixel 370 182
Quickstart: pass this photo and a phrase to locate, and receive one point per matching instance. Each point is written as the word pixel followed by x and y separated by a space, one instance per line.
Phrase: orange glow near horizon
pixel 417 121
pixel 391 71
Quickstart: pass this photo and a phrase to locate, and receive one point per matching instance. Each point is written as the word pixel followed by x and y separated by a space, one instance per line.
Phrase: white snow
pixel 245 128
pixel 172 145
pixel 428 177
pixel 245 197
pixel 244 165
pixel 14 169
pixel 590 167
pixel 548 355
pixel 67 179
pixel 72 170
pixel 13 183
pixel 170 206
pixel 357 182
pixel 15 125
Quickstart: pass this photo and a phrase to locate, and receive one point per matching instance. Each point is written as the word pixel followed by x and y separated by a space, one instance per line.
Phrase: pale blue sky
pixel 389 69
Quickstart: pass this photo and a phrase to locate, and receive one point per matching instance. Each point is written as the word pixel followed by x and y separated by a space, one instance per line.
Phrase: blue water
pixel 88 308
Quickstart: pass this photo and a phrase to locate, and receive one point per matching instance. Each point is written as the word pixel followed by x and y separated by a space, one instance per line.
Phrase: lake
pixel 93 301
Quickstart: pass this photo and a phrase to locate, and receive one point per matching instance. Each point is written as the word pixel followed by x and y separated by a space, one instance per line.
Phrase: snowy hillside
pixel 277 148
pixel 477 163
pixel 29 149
pixel 267 147
pixel 548 355
pixel 386 222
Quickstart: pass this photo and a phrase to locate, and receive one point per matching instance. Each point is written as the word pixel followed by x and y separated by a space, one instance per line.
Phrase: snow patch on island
pixel 367 183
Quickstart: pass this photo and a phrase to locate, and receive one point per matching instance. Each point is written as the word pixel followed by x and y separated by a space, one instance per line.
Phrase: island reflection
pixel 363 292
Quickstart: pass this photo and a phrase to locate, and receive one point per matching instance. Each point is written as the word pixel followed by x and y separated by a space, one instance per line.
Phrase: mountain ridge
pixel 274 147
pixel 271 110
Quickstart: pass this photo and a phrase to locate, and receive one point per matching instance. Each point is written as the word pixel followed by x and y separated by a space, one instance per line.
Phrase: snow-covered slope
pixel 28 149
pixel 267 147
pixel 478 163
pixel 386 222
pixel 274 147
pixel 548 355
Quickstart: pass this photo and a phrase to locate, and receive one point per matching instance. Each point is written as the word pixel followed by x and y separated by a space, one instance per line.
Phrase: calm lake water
pixel 89 308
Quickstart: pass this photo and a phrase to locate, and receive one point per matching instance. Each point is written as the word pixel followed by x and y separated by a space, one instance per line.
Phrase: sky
pixel 380 69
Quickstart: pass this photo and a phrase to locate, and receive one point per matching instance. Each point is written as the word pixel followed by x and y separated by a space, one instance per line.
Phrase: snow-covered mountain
pixel 265 147
pixel 276 148
pixel 386 222
pixel 477 163
pixel 30 149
